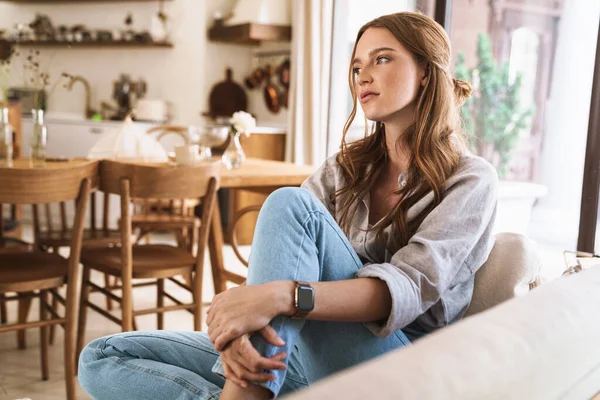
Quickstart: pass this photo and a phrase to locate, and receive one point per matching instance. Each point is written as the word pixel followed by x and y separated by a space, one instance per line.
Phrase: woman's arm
pixel 249 308
pixel 354 300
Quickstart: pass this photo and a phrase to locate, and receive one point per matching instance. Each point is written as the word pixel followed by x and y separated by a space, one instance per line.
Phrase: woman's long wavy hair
pixel 434 139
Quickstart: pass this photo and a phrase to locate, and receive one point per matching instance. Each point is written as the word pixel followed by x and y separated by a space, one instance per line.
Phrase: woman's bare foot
pixel 232 391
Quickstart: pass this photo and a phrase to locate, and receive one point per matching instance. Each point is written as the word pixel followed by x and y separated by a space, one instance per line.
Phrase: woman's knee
pixel 289 198
pixel 89 357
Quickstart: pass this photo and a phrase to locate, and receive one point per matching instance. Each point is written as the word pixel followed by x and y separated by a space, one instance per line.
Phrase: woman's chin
pixel 371 116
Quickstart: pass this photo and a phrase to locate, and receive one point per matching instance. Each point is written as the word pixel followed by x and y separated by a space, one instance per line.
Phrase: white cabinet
pixel 72 138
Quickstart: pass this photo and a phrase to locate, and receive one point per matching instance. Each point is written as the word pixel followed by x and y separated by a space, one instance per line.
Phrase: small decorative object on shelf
pixel 6 139
pixel 241 122
pixel 37 150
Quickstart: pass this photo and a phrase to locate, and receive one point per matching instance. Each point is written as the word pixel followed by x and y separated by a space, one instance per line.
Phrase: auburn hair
pixel 435 139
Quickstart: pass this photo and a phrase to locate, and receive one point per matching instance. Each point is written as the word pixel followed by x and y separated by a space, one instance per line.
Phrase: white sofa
pixel 542 345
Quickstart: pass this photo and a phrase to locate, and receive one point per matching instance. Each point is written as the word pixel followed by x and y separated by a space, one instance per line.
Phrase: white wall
pixel 182 75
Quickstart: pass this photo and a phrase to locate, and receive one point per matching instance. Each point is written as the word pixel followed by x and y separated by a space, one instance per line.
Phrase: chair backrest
pixel 511 267
pixel 54 184
pixel 158 181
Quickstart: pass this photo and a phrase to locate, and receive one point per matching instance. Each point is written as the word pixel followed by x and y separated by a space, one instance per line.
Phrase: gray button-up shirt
pixel 431 278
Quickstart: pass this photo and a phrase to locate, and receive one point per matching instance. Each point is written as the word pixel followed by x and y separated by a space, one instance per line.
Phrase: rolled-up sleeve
pixel 419 273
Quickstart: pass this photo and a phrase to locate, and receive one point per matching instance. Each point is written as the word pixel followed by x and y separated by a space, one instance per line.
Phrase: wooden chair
pixel 155 262
pixel 54 233
pixel 174 215
pixel 38 274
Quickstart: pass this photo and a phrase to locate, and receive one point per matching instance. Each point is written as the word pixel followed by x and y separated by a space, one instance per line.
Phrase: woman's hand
pixel 245 309
pixel 242 363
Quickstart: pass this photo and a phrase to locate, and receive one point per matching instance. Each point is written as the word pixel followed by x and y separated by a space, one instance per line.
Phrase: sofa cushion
pixel 508 271
pixel 543 345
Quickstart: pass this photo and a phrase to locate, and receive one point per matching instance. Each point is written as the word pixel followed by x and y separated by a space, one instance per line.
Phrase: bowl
pixel 209 135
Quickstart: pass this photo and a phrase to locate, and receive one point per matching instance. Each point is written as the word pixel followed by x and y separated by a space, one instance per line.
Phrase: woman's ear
pixel 425 75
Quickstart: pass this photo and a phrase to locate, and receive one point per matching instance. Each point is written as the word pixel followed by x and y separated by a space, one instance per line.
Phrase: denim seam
pixel 296 378
pixel 195 390
pixel 174 341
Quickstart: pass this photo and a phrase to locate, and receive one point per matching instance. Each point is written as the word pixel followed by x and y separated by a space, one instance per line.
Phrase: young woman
pixel 378 247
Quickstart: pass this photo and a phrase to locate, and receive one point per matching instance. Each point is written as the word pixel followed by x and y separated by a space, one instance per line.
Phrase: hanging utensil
pixel 271 94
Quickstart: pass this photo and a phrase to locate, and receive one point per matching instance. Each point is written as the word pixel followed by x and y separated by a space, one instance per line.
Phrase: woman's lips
pixel 368 96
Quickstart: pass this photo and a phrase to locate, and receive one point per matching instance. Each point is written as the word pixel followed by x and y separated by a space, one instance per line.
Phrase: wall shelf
pixel 93 44
pixel 77 1
pixel 250 33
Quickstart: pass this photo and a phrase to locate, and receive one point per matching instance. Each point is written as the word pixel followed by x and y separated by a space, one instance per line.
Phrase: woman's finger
pixel 271 336
pixel 243 374
pixel 209 315
pixel 230 376
pixel 213 331
pixel 251 359
pixel 279 356
pixel 224 336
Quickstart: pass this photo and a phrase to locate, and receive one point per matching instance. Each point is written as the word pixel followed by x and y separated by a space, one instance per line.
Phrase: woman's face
pixel 387 78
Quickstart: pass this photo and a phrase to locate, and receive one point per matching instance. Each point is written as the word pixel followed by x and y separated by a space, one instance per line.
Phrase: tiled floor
pixel 20 372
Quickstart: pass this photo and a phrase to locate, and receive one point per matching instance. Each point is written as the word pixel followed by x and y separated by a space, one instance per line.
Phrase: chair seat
pixel 91 238
pixel 11 245
pixel 149 261
pixel 23 272
pixel 163 221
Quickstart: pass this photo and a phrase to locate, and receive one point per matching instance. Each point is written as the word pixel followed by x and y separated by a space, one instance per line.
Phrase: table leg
pixel 215 249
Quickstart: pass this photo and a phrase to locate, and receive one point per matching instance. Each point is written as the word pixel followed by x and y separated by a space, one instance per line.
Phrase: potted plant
pixel 494 119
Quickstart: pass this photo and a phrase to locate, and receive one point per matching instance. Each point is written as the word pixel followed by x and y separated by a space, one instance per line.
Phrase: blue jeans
pixel 296 238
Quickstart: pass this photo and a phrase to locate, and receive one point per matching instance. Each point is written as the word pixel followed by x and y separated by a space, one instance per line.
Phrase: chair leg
pixel 44 335
pixel 197 296
pixel 180 238
pixel 3 310
pixel 70 343
pixel 109 305
pixel 82 319
pixel 160 297
pixel 52 328
pixel 23 312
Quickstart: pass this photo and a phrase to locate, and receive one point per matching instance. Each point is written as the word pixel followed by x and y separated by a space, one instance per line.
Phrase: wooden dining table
pixel 258 176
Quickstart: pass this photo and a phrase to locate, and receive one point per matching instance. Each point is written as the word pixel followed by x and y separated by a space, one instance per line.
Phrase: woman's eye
pixel 356 71
pixel 382 59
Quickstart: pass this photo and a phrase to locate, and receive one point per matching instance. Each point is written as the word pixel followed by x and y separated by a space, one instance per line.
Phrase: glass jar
pixel 6 139
pixel 37 153
pixel 234 156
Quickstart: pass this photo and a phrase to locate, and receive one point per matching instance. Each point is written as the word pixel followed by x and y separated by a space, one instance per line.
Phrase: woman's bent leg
pixel 150 365
pixel 296 238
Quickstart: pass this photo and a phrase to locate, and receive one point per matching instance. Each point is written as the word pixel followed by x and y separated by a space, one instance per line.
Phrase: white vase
pixel 234 155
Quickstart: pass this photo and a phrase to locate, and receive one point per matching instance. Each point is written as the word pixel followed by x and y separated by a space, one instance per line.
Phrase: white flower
pixel 242 122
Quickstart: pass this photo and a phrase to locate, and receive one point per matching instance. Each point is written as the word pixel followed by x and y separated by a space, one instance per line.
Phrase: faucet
pixel 89 111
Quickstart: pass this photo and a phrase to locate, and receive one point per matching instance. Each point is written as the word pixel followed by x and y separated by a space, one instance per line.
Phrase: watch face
pixel 306 298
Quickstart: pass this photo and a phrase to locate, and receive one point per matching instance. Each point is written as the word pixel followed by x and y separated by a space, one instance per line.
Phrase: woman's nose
pixel 364 77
